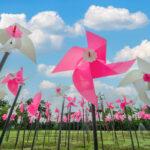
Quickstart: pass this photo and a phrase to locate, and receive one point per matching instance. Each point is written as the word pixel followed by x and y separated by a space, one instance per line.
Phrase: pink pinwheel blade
pixel 37 100
pixel 121 67
pixel 70 60
pixel 97 44
pixel 31 110
pixel 13 86
pixel 14 31
pixel 19 76
pixel 99 69
pixel 21 107
pixel 84 83
pixel 7 78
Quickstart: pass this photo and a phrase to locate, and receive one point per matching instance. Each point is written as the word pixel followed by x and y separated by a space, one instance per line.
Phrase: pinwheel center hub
pixel 89 55
pixel 146 77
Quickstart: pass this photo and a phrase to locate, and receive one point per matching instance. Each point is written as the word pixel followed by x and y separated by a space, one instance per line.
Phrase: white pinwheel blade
pixel 131 77
pixel 143 65
pixel 3 36
pixel 23 29
pixel 27 48
pixel 141 88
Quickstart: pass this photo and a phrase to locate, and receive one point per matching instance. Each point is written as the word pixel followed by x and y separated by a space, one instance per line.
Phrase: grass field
pixel 76 140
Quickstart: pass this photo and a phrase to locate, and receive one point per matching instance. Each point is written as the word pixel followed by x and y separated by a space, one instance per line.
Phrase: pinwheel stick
pixel 94 128
pixel 5 56
pixel 10 113
pixel 130 132
pixel 60 125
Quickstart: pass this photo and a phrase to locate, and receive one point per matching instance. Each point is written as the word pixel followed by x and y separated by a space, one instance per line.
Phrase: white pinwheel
pixel 17 37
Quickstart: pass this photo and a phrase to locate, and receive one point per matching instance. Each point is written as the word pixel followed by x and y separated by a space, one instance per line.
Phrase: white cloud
pixel 47 71
pixel 142 50
pixel 48 20
pixel 111 18
pixel 49 29
pixel 112 93
pixel 45 84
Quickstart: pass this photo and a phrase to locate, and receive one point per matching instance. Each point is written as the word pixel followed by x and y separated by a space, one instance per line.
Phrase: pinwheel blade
pixel 70 60
pixel 3 36
pixel 13 87
pixel 143 65
pixel 83 81
pixel 27 48
pixel 97 44
pixel 140 87
pixel 131 77
pixel 23 29
pixel 100 69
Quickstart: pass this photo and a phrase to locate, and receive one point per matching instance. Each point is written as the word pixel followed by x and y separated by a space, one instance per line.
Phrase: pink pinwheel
pixel 47 112
pixel 119 116
pixel 13 81
pixel 108 118
pixel 118 101
pixel 124 103
pixel 71 104
pixel 4 117
pixel 33 107
pixel 145 107
pixel 90 63
pixel 78 116
pixel 71 99
pixel 21 107
pixel 12 118
pixel 110 105
pixel 58 91
pixel 65 119
pixel 57 110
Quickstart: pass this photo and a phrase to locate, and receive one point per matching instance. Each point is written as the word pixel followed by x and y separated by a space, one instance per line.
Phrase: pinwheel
pixel 87 64
pixel 21 106
pixel 13 81
pixel 90 63
pixel 140 79
pixel 110 105
pixel 14 84
pixel 47 111
pixel 16 37
pixel 32 109
pixel 33 113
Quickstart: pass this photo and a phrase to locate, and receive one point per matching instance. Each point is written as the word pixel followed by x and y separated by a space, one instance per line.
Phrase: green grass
pixel 76 141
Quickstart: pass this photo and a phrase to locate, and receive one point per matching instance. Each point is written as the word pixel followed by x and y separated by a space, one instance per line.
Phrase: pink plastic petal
pixel 70 60
pixel 99 69
pixel 13 86
pixel 121 67
pixel 98 44
pixel 84 83
pixel 14 31
pixel 21 107
pixel 37 100
pixel 7 78
pixel 19 76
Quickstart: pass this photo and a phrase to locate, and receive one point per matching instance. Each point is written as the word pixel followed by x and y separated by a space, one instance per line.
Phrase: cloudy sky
pixel 58 25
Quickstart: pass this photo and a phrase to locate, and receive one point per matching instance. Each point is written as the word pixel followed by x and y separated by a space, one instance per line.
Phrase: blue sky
pixel 131 29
